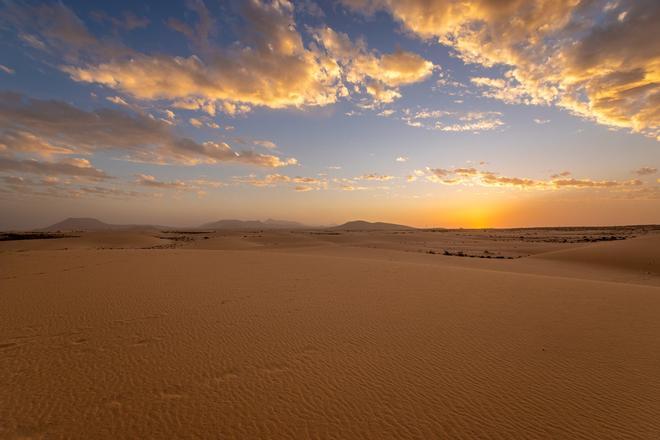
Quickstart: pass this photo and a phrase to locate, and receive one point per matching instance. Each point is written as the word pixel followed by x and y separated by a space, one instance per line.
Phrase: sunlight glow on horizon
pixel 328 111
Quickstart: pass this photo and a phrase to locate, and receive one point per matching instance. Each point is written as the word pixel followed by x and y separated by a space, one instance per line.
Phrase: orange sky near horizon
pixel 430 113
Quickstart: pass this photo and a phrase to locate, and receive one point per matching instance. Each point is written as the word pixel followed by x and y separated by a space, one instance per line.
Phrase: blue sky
pixel 431 113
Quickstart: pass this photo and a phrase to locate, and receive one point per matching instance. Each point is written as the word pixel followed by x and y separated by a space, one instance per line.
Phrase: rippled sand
pixel 356 335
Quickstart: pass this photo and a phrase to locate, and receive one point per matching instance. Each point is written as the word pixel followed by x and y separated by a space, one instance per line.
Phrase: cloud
pixel 588 183
pixel 7 70
pixel 452 121
pixel 19 186
pixel 380 75
pixel 198 186
pixel 310 8
pixel 266 144
pixel 420 173
pixel 541 121
pixel 348 187
pixel 646 171
pixel 195 122
pixel 401 159
pixel 354 184
pixel 464 171
pixel 25 142
pixel 119 101
pixel 506 90
pixel 32 41
pixel 128 22
pixel 55 127
pixel 99 191
pixel 561 174
pixel 599 63
pixel 57 22
pixel 55 29
pixel 375 177
pixel 268 64
pixel 474 176
pixel 299 183
pixel 476 126
pixel 151 182
pixel 74 167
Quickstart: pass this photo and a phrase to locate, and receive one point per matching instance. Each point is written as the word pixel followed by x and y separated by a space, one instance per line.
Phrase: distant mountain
pixel 92 224
pixel 361 225
pixel 80 224
pixel 283 224
pixel 252 224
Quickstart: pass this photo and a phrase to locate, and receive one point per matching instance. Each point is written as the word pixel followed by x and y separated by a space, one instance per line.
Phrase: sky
pixel 431 113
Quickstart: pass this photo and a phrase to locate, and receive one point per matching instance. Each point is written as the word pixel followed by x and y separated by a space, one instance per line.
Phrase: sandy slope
pixel 90 240
pixel 641 254
pixel 311 341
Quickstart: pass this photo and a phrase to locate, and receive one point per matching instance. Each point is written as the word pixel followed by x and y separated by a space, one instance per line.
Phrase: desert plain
pixel 362 332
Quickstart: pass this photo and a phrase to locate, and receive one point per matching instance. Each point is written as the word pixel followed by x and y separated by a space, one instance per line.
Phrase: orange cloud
pixel 556 54
pixel 269 65
pixel 270 180
pixel 375 177
pixel 380 75
pixel 474 176
pixel 196 185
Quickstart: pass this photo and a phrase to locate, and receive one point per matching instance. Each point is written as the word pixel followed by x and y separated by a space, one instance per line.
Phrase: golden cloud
pixel 601 63
pixel 375 177
pixel 270 180
pixel 381 75
pixel 269 65
pixel 474 176
pixel 150 181
pixel 196 185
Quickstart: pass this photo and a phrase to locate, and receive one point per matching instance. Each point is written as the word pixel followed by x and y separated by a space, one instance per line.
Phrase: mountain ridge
pixel 252 224
pixel 363 225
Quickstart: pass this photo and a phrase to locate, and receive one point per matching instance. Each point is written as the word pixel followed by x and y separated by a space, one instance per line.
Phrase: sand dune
pixel 291 335
pixel 131 239
pixel 640 254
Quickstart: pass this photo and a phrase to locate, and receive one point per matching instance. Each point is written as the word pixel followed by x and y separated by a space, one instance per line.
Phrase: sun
pixel 474 217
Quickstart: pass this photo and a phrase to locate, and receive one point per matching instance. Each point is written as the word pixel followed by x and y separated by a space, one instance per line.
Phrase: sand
pixel 302 334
